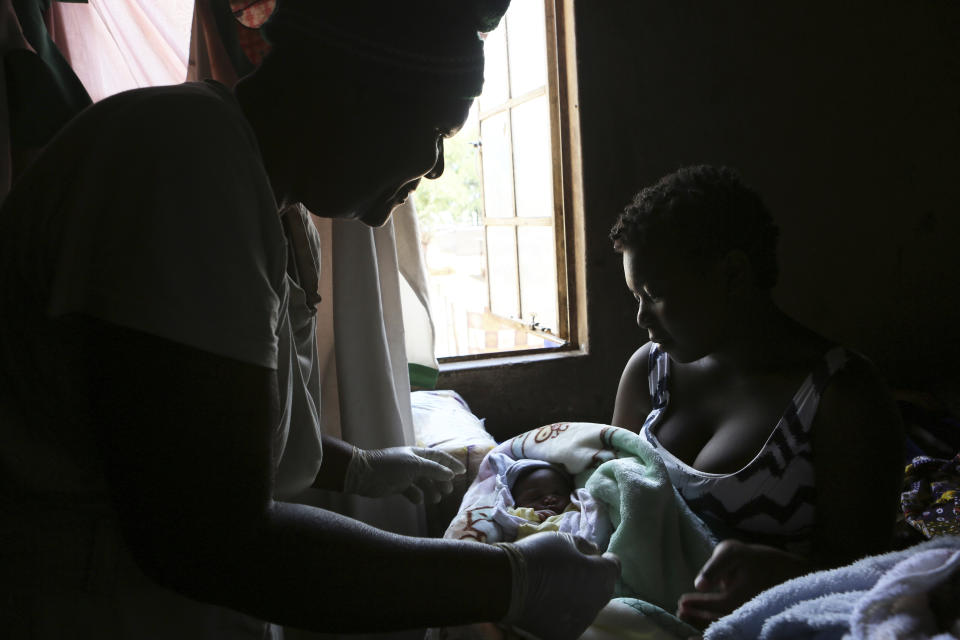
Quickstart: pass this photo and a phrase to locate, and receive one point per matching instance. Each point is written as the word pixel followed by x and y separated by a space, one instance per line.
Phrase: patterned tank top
pixel 771 499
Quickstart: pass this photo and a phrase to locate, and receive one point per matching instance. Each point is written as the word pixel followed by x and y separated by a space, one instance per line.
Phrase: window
pixel 495 225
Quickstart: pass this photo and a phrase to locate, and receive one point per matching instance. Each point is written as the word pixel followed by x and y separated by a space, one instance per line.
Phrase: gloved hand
pixel 418 473
pixel 560 583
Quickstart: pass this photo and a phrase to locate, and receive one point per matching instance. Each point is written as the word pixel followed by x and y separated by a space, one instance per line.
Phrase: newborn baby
pixel 535 495
pixel 544 489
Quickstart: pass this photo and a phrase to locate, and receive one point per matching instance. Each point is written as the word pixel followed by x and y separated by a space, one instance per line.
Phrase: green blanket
pixel 660 542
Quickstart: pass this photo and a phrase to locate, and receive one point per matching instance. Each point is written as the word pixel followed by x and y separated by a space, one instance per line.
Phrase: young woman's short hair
pixel 704 212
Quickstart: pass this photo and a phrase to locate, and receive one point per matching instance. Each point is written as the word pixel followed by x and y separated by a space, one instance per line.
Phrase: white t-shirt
pixel 151 210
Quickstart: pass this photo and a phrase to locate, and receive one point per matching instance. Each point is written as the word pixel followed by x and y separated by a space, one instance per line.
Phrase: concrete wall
pixel 845 116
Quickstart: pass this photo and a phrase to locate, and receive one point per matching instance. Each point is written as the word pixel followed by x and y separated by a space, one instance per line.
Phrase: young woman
pixel 786 444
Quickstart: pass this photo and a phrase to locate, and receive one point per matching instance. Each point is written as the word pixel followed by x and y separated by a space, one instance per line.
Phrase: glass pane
pixel 533 158
pixel 478 290
pixel 502 263
pixel 526 37
pixel 456 270
pixel 495 77
pixel 538 276
pixel 455 198
pixel 497 167
pixel 451 236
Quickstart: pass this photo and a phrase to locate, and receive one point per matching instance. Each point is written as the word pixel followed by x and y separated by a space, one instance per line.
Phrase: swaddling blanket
pixel 584 516
pixel 660 542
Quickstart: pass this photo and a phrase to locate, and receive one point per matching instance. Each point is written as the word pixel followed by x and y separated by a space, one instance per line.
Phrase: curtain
pixel 365 394
pixel 115 45
pixel 365 387
pixel 40 92
pixel 420 335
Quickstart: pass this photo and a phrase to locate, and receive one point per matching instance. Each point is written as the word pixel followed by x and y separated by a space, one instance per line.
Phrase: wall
pixel 845 116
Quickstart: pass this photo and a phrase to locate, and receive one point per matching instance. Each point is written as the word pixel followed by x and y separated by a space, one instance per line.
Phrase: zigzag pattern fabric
pixel 772 499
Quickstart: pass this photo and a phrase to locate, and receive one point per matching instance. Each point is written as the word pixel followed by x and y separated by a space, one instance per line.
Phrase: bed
pixel 661 555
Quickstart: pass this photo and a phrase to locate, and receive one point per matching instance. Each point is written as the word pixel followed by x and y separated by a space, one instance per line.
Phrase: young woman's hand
pixel 734 574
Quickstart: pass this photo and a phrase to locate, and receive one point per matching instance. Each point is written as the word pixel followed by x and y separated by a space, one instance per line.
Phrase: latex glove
pixel 560 583
pixel 416 472
pixel 734 574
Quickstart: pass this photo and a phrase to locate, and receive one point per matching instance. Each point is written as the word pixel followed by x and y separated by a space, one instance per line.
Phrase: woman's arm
pixel 633 395
pixel 735 573
pixel 186 441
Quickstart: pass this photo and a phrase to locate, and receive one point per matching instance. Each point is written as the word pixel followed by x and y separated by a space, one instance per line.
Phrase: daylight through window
pixel 490 224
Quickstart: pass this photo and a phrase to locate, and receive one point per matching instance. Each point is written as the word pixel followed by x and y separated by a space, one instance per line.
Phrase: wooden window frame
pixel 568 217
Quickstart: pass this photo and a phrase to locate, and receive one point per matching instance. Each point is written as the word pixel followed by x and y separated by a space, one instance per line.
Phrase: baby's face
pixel 543 490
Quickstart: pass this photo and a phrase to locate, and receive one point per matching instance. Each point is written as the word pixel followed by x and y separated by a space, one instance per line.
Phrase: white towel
pixel 898 606
pixel 883 594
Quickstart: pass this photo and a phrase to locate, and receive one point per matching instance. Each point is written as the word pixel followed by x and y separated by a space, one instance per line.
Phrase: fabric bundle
pixel 585 517
pixel 931 499
pixel 660 542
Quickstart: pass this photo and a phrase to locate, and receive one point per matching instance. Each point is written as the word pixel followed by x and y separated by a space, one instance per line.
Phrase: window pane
pixel 502 265
pixel 456 268
pixel 495 83
pixel 526 33
pixel 533 158
pixel 497 167
pixel 493 286
pixel 538 276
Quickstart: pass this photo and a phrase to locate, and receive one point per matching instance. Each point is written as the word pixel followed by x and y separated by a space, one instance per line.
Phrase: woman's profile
pixel 788 445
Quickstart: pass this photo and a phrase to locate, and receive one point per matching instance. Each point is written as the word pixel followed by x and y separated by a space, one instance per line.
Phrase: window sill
pixel 510 360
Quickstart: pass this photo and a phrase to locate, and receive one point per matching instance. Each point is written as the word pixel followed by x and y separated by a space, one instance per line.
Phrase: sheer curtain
pixel 360 336
pixel 115 45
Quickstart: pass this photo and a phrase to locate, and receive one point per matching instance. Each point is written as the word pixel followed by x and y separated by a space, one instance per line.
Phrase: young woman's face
pixel 681 306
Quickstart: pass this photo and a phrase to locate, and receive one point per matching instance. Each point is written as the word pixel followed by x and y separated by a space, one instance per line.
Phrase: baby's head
pixel 542 487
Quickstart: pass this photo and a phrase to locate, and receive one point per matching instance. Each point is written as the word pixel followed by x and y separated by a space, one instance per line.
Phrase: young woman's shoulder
pixel 633 394
pixel 855 379
pixel 858 390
